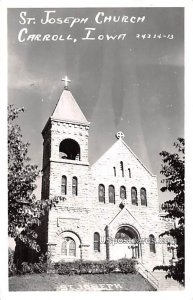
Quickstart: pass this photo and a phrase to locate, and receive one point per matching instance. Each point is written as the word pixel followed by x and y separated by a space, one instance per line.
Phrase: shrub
pixel 78 267
pixel 127 266
pixel 26 268
pixel 11 266
pixel 98 267
pixel 41 266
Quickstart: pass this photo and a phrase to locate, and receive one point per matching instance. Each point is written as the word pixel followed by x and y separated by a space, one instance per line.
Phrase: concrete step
pixel 168 284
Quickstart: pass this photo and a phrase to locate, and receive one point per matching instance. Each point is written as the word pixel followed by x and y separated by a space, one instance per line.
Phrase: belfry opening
pixel 69 149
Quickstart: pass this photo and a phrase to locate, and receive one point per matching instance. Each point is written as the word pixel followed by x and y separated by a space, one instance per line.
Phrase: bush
pixel 78 267
pixel 99 267
pixel 41 266
pixel 127 266
pixel 27 268
pixel 11 266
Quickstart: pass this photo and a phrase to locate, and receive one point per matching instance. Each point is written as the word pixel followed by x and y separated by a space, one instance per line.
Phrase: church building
pixel 110 210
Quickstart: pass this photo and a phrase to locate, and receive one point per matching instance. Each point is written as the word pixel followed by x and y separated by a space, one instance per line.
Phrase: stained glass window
pixel 134 195
pixel 68 247
pixel 143 196
pixel 64 248
pixel 64 185
pixel 111 194
pixel 72 248
pixel 97 241
pixel 123 192
pixel 101 193
pixel 74 186
pixel 152 243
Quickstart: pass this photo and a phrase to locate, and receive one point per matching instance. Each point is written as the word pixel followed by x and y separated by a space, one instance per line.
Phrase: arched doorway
pixel 126 243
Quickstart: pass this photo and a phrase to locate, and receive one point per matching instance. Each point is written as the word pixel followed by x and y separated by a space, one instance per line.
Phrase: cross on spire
pixel 120 135
pixel 66 81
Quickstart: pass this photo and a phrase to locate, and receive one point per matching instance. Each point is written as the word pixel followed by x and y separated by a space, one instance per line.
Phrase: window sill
pixel 68 257
pixel 70 161
pixel 153 254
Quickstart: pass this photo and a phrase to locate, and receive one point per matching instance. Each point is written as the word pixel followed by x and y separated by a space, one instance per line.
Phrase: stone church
pixel 111 208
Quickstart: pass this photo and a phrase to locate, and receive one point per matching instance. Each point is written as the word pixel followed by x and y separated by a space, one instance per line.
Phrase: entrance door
pixel 126 244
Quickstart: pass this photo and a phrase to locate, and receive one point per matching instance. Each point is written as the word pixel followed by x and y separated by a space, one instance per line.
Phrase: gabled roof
pixel 121 142
pixel 138 158
pixel 125 214
pixel 67 109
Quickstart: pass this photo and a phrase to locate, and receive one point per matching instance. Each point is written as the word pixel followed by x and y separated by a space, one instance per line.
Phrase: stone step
pixel 167 284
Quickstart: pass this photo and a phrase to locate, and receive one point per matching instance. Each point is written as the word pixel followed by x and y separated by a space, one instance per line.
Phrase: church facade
pixel 110 210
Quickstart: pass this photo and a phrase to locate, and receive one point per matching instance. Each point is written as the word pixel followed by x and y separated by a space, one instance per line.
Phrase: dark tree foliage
pixel 22 207
pixel 24 210
pixel 173 169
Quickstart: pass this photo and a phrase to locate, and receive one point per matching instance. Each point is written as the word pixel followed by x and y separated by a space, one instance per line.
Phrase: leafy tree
pixel 26 214
pixel 173 170
pixel 22 206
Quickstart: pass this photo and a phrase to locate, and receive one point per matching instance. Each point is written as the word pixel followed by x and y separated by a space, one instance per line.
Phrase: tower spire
pixel 67 109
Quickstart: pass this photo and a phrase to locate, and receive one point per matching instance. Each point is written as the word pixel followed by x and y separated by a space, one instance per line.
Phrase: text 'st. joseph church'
pixel 111 209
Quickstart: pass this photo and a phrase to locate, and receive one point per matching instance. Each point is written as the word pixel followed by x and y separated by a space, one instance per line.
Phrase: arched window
pixel 152 243
pixel 68 247
pixel 114 169
pixel 69 149
pixel 101 193
pixel 74 186
pixel 64 185
pixel 72 248
pixel 111 194
pixel 123 192
pixel 97 242
pixel 134 196
pixel 64 247
pixel 129 171
pixel 143 196
pixel 122 169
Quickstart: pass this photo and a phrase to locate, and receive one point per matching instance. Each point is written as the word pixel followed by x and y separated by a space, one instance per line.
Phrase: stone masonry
pixel 74 224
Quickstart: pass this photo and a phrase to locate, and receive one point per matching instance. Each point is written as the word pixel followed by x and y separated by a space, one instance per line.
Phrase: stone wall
pixel 80 216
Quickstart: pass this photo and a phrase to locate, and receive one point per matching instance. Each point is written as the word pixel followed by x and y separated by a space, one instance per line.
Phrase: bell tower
pixel 65 151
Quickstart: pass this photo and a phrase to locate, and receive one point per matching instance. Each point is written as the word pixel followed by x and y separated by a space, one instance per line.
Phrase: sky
pixel 134 85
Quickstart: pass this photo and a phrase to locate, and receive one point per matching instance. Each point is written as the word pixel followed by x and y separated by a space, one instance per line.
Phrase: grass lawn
pixel 88 282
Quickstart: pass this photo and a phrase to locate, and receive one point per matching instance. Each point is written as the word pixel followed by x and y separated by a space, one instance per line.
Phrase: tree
pixel 173 170
pixel 26 214
pixel 22 206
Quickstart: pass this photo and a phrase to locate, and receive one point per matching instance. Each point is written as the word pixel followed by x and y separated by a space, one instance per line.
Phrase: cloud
pixel 18 75
pixel 172 60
